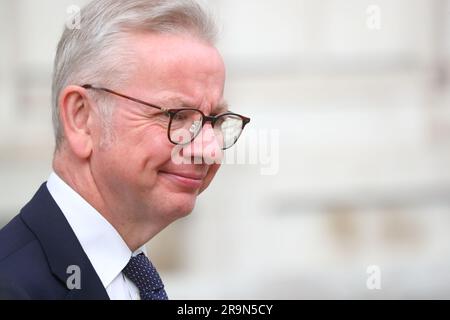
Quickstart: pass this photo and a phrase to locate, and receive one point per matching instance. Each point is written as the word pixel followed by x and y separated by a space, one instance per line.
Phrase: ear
pixel 76 119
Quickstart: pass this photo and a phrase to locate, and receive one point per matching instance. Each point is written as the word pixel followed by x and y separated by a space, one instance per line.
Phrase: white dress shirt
pixel 103 245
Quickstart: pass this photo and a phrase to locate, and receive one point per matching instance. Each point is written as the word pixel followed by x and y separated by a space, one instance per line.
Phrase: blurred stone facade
pixel 362 111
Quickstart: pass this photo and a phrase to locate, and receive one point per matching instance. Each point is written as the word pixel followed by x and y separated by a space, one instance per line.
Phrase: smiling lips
pixel 189 180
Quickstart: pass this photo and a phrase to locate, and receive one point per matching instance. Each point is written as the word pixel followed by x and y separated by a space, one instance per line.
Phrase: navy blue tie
pixel 144 275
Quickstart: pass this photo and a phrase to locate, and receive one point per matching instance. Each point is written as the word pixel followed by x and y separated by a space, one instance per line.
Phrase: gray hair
pixel 95 52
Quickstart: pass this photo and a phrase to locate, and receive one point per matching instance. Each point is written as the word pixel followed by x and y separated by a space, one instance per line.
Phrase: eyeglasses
pixel 186 124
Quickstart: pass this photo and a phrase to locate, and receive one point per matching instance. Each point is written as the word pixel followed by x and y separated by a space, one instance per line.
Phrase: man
pixel 140 125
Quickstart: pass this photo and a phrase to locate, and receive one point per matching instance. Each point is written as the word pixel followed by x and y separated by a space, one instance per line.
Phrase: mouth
pixel 191 181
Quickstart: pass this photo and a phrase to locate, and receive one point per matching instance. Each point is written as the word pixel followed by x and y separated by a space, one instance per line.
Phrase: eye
pixel 165 114
pixel 180 116
pixel 162 118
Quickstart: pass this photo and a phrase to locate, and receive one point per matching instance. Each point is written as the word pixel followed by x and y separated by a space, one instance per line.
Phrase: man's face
pixel 135 172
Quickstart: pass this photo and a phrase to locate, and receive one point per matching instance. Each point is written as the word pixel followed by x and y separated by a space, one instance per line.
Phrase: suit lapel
pixel 61 246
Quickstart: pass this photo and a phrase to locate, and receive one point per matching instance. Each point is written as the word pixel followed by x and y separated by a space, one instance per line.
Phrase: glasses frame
pixel 173 112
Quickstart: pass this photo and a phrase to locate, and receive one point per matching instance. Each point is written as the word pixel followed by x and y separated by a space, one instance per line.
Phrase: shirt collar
pixel 105 248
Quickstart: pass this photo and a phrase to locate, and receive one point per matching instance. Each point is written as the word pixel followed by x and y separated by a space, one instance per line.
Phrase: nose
pixel 205 149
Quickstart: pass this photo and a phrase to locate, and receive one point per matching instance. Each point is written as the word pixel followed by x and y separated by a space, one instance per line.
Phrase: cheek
pixel 144 143
pixel 210 176
pixel 136 154
pixel 145 158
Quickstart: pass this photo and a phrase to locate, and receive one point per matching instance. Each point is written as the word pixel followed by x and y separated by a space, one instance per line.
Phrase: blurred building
pixel 350 108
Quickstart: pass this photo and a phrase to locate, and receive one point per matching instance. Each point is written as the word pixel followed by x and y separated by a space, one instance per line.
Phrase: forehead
pixel 162 57
pixel 178 67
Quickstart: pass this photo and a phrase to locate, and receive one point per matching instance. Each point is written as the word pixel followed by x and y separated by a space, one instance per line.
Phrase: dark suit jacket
pixel 36 249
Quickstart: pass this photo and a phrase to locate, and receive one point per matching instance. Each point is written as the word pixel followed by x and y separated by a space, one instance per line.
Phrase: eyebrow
pixel 180 103
pixel 222 107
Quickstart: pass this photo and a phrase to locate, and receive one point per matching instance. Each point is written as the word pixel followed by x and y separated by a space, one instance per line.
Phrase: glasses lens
pixel 185 126
pixel 228 129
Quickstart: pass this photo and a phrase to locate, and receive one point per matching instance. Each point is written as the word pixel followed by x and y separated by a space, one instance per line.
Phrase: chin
pixel 180 207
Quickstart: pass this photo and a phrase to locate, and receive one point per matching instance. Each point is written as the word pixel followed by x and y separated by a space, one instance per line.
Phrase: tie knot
pixel 144 275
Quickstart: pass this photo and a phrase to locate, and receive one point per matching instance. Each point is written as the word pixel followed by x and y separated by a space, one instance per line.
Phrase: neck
pixel 135 232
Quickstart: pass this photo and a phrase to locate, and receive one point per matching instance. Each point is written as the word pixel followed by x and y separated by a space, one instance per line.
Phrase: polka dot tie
pixel 144 275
